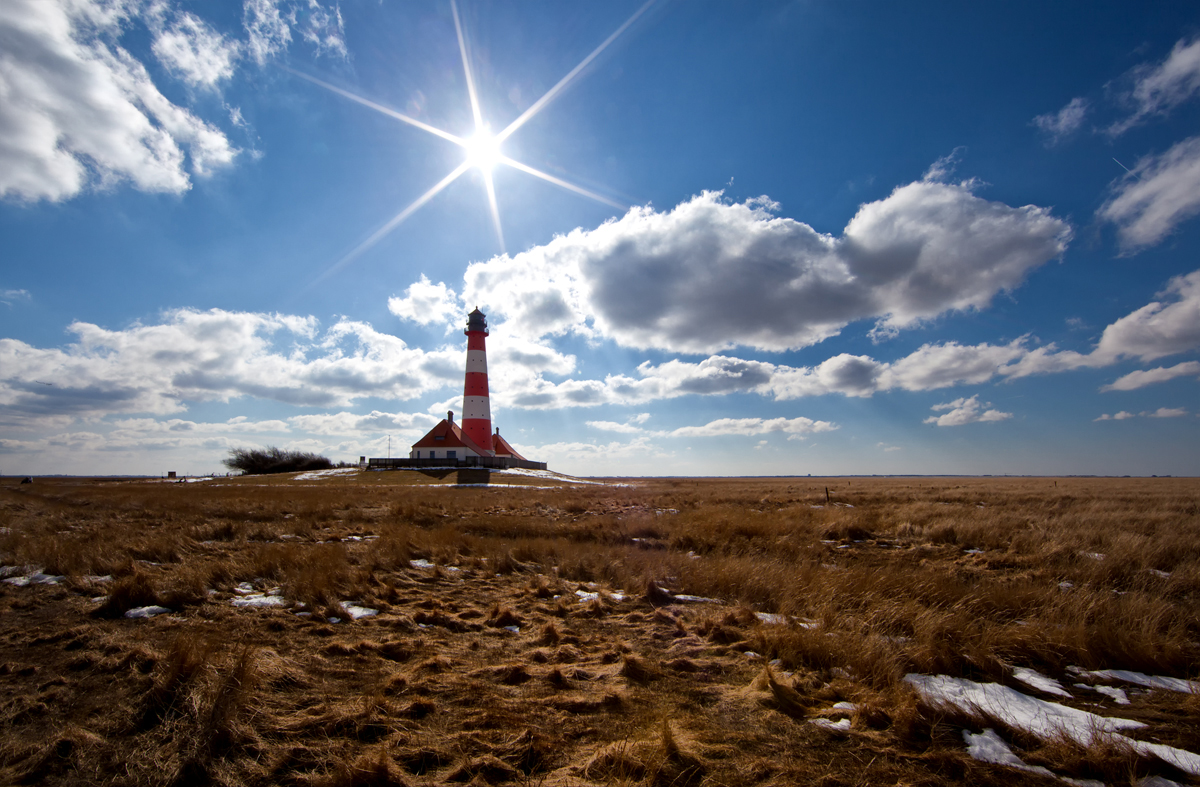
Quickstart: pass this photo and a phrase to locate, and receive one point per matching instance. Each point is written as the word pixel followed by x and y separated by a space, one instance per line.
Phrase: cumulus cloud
pixel 1142 378
pixel 613 426
pixel 1166 412
pixel 710 275
pixel 1121 416
pixel 425 302
pixel 965 411
pixel 79 110
pixel 194 356
pixel 375 422
pixel 1066 121
pixel 1159 88
pixel 1162 327
pixel 1156 196
pixel 191 49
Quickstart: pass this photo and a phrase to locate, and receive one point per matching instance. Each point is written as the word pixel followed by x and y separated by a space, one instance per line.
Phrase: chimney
pixel 450 416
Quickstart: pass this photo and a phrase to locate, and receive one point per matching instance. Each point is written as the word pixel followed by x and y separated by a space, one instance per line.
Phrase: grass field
pixel 421 628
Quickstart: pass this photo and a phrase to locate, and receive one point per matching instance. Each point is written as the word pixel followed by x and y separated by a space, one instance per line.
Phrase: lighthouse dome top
pixel 476 321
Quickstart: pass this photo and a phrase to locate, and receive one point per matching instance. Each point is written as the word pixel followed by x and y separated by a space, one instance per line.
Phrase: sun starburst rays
pixel 482 148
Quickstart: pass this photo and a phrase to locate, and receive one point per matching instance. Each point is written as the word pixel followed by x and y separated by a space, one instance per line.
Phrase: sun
pixel 483 147
pixel 483 150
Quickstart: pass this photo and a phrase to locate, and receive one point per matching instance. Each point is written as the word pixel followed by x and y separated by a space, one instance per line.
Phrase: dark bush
pixel 259 461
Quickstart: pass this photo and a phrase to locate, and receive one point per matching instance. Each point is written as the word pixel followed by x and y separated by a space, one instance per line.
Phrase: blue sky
pixel 768 238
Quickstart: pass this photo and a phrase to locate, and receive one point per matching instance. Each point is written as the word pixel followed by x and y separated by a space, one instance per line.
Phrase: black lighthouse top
pixel 476 322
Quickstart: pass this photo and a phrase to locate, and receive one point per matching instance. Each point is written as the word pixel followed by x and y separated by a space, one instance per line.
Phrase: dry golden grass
pixel 489 668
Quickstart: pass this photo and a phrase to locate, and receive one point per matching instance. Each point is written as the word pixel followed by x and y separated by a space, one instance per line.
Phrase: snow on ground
pixel 587 596
pixel 24 576
pixel 259 600
pixel 313 475
pixel 1040 682
pixel 842 725
pixel 989 747
pixel 356 611
pixel 1138 679
pixel 423 563
pixel 1117 695
pixel 146 612
pixel 549 475
pixel 1046 720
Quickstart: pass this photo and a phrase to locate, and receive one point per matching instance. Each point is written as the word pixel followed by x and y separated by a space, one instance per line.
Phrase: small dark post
pixel 827 495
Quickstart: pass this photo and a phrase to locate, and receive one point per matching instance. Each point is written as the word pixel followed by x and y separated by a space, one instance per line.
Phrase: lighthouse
pixel 477 411
pixel 473 444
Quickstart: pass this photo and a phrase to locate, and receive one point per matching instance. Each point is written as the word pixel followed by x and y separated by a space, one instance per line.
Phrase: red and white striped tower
pixel 477 412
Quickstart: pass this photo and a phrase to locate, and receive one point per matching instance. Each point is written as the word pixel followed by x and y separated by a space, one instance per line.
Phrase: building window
pixel 432 454
pixel 418 454
pixel 451 454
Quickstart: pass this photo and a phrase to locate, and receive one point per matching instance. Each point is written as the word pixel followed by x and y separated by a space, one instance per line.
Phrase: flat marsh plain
pixel 415 628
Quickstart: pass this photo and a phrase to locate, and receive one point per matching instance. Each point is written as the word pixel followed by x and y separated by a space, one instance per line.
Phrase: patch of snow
pixel 244 588
pixel 513 629
pixel 96 580
pixel 1046 720
pixel 817 507
pixel 585 595
pixel 688 598
pixel 335 620
pixel 1066 584
pixel 750 654
pixel 1092 555
pixel 260 600
pixel 1139 679
pixel 1161 575
pixel 196 480
pixel 34 578
pixel 989 747
pixel 1157 781
pixel 846 706
pixel 973 551
pixel 1117 695
pixel 313 475
pixel 357 612
pixel 771 618
pixel 1040 682
pixel 842 725
pixel 146 612
pixel 549 475
pixel 423 563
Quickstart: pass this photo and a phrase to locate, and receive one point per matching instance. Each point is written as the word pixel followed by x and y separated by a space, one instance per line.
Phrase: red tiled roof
pixel 503 448
pixel 451 437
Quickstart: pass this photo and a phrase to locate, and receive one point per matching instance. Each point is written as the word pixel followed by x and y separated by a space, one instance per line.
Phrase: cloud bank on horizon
pixel 733 312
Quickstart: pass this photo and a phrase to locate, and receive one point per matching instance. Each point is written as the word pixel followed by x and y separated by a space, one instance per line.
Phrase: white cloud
pixel 78 110
pixel 1158 89
pixel 375 422
pixel 191 49
pixel 795 428
pixel 1166 412
pixel 709 275
pixel 426 303
pixel 888 448
pixel 269 25
pixel 1064 122
pixel 1140 379
pixel 193 356
pixel 1156 196
pixel 1121 416
pixel 8 296
pixel 613 426
pixel 965 411
pixel 1160 327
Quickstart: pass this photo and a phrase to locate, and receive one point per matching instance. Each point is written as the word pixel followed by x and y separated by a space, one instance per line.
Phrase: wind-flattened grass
pixel 965 577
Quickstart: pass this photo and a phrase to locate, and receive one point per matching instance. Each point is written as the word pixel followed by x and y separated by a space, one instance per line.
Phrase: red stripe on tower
pixel 477 411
